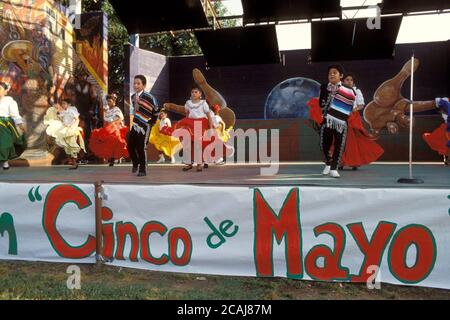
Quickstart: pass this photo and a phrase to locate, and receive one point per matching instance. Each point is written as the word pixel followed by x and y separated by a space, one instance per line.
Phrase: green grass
pixel 44 281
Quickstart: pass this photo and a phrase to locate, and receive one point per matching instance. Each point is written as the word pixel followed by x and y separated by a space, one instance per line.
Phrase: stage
pixel 379 175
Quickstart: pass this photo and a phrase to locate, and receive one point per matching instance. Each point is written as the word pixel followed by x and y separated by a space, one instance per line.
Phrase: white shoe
pixel 172 160
pixel 326 171
pixel 161 159
pixel 219 162
pixel 5 165
pixel 334 174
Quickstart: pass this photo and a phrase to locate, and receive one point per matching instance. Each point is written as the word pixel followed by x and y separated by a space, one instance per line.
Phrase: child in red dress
pixel 360 149
pixel 109 142
pixel 439 139
pixel 197 122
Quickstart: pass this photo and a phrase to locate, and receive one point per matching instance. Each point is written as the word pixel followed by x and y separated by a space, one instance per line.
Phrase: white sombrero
pixel 9 50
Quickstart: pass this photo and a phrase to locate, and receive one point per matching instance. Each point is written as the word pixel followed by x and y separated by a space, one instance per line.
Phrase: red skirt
pixel 315 113
pixel 438 140
pixel 109 142
pixel 359 149
pixel 166 130
pixel 197 141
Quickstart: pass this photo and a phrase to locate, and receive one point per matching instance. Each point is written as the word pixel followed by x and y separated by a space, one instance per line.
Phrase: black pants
pixel 327 137
pixel 137 148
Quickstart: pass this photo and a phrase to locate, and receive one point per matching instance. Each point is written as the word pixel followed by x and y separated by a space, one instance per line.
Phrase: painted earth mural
pixel 289 98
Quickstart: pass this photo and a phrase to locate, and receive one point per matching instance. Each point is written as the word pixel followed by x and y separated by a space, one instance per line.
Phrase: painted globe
pixel 289 98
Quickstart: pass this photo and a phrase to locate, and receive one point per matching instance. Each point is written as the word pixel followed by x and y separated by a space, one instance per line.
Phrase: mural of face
pixel 38 56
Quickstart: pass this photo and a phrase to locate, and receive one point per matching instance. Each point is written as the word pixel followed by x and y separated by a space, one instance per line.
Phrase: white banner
pixel 47 222
pixel 325 234
pixel 397 236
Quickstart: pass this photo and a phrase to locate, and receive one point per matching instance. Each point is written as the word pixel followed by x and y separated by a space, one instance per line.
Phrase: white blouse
pixel 70 116
pixel 165 123
pixel 9 108
pixel 198 110
pixel 113 114
pixel 359 98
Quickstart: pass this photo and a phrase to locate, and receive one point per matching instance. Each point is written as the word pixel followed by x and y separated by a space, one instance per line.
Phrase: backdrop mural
pixel 39 58
pixel 289 98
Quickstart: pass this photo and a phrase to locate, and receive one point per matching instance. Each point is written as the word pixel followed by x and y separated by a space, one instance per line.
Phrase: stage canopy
pixel 352 40
pixel 405 6
pixel 239 46
pixel 157 16
pixel 332 39
pixel 257 11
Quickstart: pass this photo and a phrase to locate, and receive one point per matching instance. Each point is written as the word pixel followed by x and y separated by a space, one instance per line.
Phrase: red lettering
pixel 332 269
pixel 180 234
pixel 286 225
pixel 373 251
pixel 147 230
pixel 56 199
pixel 423 239
pixel 108 233
pixel 123 230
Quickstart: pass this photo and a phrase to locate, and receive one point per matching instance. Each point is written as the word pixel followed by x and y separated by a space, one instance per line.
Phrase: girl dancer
pixel 10 119
pixel 197 122
pixel 439 139
pixel 109 142
pixel 161 138
pixel 359 149
pixel 63 125
pixel 223 134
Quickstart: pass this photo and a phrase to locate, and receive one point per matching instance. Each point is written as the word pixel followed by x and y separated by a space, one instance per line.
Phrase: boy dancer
pixel 143 117
pixel 337 102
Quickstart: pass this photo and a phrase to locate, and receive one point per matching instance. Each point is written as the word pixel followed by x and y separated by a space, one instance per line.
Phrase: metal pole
pixel 411 179
pixel 411 122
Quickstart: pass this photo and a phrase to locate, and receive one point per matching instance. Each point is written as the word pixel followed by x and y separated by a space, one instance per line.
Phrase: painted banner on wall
pixel 397 236
pixel 92 46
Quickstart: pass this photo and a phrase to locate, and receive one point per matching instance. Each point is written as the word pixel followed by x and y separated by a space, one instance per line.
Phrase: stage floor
pixel 379 175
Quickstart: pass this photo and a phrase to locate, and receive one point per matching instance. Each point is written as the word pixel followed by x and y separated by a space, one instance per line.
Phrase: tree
pixel 182 43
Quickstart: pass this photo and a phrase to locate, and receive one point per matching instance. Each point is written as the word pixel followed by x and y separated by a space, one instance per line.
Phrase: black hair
pixel 350 75
pixel 112 96
pixel 196 87
pixel 67 100
pixel 142 78
pixel 338 67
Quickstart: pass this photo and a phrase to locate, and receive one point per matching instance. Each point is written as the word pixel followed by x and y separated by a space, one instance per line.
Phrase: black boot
pixel 74 164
